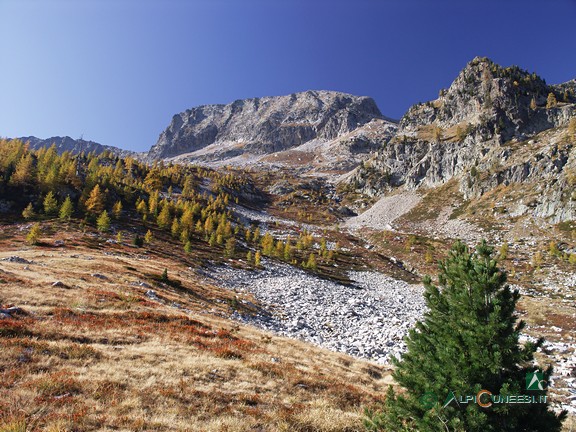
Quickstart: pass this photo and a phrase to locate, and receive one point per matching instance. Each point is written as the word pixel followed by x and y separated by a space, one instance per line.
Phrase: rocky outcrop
pixel 484 124
pixel 75 146
pixel 262 126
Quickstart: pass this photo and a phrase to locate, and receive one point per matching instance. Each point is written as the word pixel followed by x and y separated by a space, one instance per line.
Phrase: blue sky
pixel 115 71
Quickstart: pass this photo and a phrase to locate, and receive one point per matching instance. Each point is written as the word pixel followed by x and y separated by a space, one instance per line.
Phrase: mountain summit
pixel 494 127
pixel 264 125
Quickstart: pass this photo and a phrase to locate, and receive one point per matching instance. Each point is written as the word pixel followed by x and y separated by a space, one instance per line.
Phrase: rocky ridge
pixel 75 146
pixel 493 126
pixel 269 125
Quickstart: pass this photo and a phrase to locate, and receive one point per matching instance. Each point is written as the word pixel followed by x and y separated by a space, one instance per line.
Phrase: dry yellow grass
pixel 98 354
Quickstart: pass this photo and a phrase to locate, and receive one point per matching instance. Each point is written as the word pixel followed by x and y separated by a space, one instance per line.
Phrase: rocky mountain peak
pixel 505 123
pixel 263 125
pixel 491 101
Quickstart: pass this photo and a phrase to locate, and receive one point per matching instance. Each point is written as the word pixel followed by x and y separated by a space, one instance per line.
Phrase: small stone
pixel 151 294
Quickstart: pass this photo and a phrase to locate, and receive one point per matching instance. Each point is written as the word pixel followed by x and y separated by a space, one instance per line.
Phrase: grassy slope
pixel 97 353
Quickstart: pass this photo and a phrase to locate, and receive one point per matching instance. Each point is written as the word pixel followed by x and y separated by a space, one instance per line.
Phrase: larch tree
pixel 148 237
pixel 50 204
pixel 67 209
pixel 117 209
pixel 103 222
pixel 164 219
pixel 95 202
pixel 33 236
pixel 25 171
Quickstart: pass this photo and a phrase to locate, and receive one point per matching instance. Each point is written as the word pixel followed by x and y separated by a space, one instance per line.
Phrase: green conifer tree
pixel 67 209
pixel 467 341
pixel 103 222
pixel 33 236
pixel 230 247
pixel 50 204
pixel 188 247
pixel 311 263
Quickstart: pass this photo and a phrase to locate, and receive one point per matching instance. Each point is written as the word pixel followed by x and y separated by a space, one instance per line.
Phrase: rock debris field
pixel 367 319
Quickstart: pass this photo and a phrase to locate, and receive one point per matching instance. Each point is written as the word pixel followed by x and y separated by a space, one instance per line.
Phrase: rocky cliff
pixel 263 126
pixel 493 126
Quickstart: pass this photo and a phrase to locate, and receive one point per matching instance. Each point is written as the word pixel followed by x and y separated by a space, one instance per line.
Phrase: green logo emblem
pixel 535 381
pixel 449 399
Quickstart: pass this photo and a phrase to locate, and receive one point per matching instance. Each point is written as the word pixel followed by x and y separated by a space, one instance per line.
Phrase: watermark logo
pixel 535 381
pixel 449 399
pixel 485 399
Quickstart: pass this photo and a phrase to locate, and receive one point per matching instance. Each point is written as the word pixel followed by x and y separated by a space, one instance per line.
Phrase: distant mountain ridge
pixel 264 126
pixel 75 146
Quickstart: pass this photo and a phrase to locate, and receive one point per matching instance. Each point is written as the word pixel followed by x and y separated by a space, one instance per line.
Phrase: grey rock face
pixel 483 123
pixel 75 146
pixel 265 125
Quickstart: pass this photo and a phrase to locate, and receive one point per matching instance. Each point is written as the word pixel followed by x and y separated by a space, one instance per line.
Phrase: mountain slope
pixel 263 126
pixel 493 126
pixel 93 340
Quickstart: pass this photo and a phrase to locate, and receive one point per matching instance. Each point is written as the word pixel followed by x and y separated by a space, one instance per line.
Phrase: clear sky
pixel 116 71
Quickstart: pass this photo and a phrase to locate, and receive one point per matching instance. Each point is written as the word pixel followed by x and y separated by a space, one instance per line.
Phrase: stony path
pixel 368 319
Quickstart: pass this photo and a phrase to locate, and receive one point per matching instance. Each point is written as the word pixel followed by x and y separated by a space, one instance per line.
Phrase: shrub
pixel 503 252
pixel 138 241
pixel 551 101
pixel 29 213
pixel 537 260
pixel 148 237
